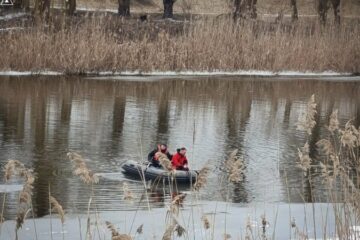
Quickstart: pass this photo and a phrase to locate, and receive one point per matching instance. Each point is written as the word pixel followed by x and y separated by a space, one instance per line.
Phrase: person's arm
pixel 186 165
pixel 151 155
pixel 169 156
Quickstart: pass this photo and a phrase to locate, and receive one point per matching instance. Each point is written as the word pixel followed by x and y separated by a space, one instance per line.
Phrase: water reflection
pixel 109 122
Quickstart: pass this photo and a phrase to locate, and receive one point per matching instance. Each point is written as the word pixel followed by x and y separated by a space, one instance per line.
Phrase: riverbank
pixel 98 43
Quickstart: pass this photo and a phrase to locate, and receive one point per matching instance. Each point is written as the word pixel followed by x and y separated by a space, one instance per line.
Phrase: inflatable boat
pixel 149 172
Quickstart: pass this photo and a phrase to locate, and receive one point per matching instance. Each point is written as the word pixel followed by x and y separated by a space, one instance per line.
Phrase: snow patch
pixel 10 29
pixel 12 15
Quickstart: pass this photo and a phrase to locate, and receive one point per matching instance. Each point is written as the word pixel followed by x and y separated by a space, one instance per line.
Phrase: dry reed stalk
pixel 58 208
pixel 15 167
pixel 175 204
pixel 306 120
pixel 201 178
pixel 25 198
pixel 81 170
pixel 115 235
pixel 204 45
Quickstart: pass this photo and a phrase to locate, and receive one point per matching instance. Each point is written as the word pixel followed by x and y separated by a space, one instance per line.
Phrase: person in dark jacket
pixel 179 160
pixel 153 156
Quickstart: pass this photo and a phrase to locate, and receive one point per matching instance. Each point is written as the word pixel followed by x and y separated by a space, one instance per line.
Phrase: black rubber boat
pixel 141 171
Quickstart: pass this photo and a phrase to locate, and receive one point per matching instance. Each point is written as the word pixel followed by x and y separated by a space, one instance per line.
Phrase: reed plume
pixel 115 235
pixel 168 232
pixel 128 195
pixel 81 170
pixel 206 222
pixel 176 203
pixel 235 167
pixel 180 230
pixel 201 178
pixel 139 230
pixel 306 121
pixel 227 236
pixel 12 168
pixel 304 158
pixel 165 162
pixel 58 208
pixel 325 147
pixel 349 136
pixel 334 122
pixel 25 202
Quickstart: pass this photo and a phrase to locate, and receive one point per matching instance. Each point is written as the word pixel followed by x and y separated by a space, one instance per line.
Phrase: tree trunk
pixel 42 9
pixel 168 8
pixel 70 7
pixel 336 8
pixel 124 8
pixel 322 10
pixel 22 4
pixel 252 8
pixel 237 9
pixel 294 13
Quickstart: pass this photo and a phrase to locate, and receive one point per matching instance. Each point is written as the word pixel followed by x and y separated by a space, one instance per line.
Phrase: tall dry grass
pixel 111 44
pixel 338 157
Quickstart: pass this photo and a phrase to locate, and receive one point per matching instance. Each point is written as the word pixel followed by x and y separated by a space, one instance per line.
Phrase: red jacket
pixel 179 160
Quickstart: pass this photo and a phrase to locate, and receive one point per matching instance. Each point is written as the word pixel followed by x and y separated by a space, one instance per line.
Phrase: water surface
pixel 110 121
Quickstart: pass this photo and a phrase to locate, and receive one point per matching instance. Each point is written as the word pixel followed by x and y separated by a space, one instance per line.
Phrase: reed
pixel 209 44
pixel 81 170
pixel 338 157
pixel 115 235
pixel 201 178
pixel 16 168
pixel 128 195
pixel 58 208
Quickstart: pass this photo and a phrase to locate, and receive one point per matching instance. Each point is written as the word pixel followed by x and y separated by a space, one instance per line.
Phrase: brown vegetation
pixel 109 44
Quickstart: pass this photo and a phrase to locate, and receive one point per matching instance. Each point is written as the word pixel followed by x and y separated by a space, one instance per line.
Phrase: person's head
pixel 163 148
pixel 182 151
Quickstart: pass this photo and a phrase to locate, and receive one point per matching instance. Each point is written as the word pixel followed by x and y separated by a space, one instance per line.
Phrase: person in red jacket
pixel 179 160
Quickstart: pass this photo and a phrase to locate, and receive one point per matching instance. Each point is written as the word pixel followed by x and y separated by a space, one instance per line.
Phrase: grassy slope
pixel 305 7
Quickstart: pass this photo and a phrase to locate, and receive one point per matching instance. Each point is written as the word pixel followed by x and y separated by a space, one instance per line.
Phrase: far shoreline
pixel 217 73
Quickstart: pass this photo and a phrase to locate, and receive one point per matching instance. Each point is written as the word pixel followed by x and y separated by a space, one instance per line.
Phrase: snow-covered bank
pixel 255 73
pixel 13 15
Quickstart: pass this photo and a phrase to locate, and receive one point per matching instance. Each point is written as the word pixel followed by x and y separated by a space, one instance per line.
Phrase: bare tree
pixel 251 6
pixel 70 7
pixel 168 8
pixel 246 8
pixel 237 9
pixel 336 7
pixel 124 8
pixel 42 9
pixel 323 7
pixel 22 4
pixel 294 12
